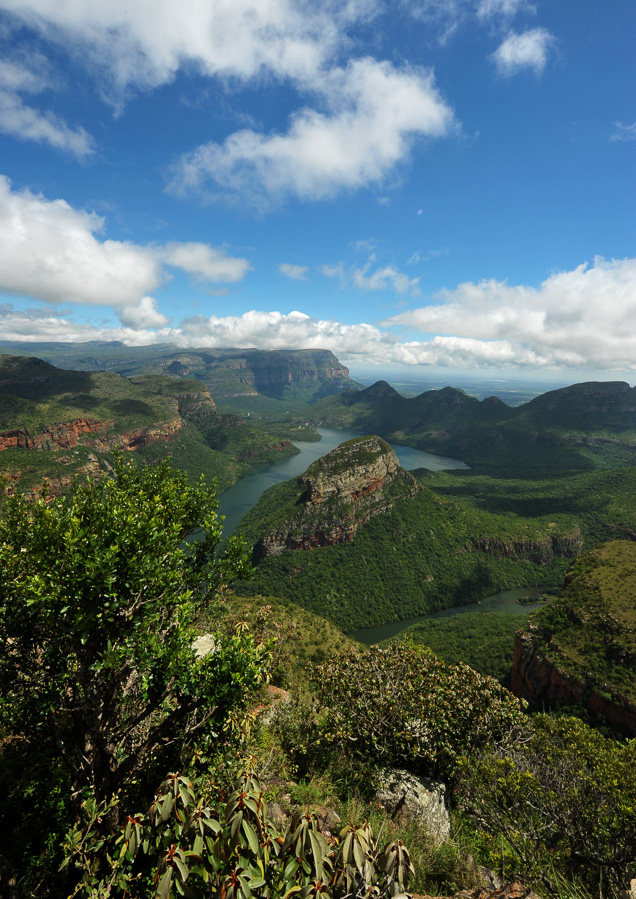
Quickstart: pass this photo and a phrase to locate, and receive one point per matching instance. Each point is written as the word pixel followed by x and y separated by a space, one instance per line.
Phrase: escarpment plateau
pixel 581 649
pixel 241 380
pixel 339 493
pixel 52 419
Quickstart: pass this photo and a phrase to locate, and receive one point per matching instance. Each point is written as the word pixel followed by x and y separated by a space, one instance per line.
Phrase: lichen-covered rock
pixel 353 470
pixel 407 797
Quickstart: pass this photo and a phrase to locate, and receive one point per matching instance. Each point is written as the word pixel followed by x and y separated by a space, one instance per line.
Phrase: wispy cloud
pixel 386 278
pixel 24 121
pixel 373 278
pixel 448 16
pixel 529 50
pixel 623 132
pixel 505 9
pixel 418 256
pixel 295 272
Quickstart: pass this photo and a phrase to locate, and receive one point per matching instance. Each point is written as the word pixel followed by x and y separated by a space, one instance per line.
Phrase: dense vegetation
pixel 602 503
pixel 589 631
pixel 577 428
pixel 423 555
pixel 35 396
pixel 483 640
pixel 103 696
pixel 100 688
pixel 135 763
pixel 256 383
pixel 564 804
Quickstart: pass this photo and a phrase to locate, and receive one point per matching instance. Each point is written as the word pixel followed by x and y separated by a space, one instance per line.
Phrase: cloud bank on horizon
pixel 429 183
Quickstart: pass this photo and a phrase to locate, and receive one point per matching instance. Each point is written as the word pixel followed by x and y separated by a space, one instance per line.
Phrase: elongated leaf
pixel 290 868
pixel 235 827
pixel 252 839
pixel 163 890
pixel 182 868
pixel 358 854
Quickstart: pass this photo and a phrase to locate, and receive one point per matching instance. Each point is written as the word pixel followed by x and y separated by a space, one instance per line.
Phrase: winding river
pixel 239 499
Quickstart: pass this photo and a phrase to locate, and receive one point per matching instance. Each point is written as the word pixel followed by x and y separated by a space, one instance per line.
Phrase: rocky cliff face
pixel 295 365
pixel 580 649
pixel 97 435
pixel 537 678
pixel 341 492
pixel 541 552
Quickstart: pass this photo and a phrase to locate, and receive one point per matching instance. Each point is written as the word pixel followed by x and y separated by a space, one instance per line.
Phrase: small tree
pixel 563 804
pixel 98 592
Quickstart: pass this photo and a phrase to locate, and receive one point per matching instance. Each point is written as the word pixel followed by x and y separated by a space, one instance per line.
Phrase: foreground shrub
pixel 403 706
pixel 100 685
pixel 564 803
pixel 183 847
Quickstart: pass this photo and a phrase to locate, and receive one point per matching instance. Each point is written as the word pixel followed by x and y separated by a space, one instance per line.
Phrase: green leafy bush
pixel 404 706
pixel 183 847
pixel 98 674
pixel 564 801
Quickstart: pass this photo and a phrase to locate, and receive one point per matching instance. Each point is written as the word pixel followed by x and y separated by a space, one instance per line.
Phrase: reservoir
pixel 507 602
pixel 239 499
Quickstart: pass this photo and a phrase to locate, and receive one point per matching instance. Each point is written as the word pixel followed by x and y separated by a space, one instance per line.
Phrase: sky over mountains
pixel 421 182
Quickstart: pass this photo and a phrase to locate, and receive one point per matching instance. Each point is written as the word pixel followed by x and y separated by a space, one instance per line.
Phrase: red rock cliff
pixel 540 680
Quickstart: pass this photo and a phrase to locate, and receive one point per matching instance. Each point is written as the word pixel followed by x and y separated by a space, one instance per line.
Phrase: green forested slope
pixel 170 416
pixel 578 428
pixel 483 640
pixel 421 556
pixel 591 629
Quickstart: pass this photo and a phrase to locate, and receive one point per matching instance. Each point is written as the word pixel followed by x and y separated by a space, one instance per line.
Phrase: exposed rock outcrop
pixel 58 436
pixel 408 797
pixel 540 552
pixel 537 678
pixel 97 435
pixel 342 491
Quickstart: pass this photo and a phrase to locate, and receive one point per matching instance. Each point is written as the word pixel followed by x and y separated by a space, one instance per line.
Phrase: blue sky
pixel 435 185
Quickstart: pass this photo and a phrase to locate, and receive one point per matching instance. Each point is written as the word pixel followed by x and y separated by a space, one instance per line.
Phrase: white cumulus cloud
pixel 374 114
pixel 144 315
pixel 581 318
pixel 143 44
pixel 204 261
pixel 362 121
pixel 55 253
pixel 51 252
pixel 529 50
pixel 275 330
